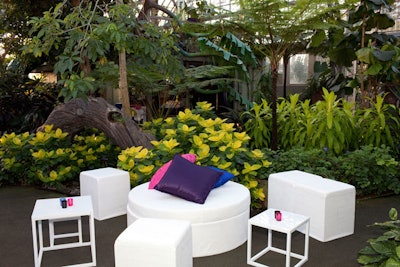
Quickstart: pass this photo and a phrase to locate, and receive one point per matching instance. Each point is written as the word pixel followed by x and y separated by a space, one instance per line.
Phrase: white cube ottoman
pixel 109 189
pixel 154 243
pixel 329 204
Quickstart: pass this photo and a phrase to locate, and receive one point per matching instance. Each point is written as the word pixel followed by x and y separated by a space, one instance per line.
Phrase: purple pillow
pixel 188 180
pixel 224 178
pixel 159 174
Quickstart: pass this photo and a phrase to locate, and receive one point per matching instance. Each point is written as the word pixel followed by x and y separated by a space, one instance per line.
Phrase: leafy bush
pixel 379 124
pixel 383 251
pixel 315 161
pixel 24 104
pixel 332 123
pixel 52 157
pixel 372 170
pixel 258 124
pixel 212 140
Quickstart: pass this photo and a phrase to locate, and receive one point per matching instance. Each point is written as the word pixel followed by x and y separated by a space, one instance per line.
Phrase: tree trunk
pixel 274 130
pixel 123 85
pixel 78 114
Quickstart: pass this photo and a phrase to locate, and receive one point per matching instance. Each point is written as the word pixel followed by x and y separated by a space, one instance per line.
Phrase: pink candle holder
pixel 278 215
pixel 70 202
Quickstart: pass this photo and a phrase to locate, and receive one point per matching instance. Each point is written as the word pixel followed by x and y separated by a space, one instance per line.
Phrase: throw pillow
pixel 224 178
pixel 188 180
pixel 158 175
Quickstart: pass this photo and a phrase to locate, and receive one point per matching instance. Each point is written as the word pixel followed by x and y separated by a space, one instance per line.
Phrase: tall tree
pixel 362 39
pixel 274 27
pixel 95 35
pixel 14 28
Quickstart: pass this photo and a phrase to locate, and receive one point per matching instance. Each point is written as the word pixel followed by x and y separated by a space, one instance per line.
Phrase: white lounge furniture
pixel 329 204
pixel 290 223
pixel 109 189
pixel 218 225
pixel 51 210
pixel 155 243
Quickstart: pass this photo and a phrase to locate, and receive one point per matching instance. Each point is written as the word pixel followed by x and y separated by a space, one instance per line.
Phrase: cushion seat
pixel 218 225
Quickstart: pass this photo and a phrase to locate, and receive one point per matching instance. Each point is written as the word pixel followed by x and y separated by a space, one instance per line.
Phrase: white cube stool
pixel 154 243
pixel 289 223
pixel 109 189
pixel 329 204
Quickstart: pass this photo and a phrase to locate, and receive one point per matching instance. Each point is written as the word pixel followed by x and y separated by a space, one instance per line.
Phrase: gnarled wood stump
pixel 78 114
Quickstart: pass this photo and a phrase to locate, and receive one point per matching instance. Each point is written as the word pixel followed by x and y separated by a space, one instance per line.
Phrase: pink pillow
pixel 159 174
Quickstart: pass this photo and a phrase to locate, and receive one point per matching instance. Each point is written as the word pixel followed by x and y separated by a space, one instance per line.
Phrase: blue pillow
pixel 188 180
pixel 224 178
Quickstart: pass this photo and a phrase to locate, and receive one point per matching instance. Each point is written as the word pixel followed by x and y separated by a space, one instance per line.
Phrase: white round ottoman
pixel 219 225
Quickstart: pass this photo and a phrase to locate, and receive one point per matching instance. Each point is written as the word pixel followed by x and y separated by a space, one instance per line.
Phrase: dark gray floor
pixel 16 205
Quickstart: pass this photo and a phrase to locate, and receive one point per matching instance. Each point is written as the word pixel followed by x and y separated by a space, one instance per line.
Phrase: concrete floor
pixel 17 202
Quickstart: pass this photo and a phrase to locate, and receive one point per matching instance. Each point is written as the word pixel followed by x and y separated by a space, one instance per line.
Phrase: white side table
pixel 290 222
pixel 51 210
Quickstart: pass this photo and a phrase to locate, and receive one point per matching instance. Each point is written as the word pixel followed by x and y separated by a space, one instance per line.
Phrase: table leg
pixel 307 237
pixel 80 229
pixel 35 245
pixel 92 239
pixel 40 253
pixel 288 248
pixel 269 238
pixel 51 232
pixel 249 238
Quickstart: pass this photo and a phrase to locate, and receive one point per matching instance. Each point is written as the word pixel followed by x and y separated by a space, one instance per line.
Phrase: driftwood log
pixel 78 114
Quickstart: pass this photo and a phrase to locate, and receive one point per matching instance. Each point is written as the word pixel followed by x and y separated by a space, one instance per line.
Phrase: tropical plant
pixel 383 251
pixel 267 26
pixel 213 141
pixel 379 124
pixel 333 124
pixel 14 26
pixel 51 157
pixel 258 124
pixel 362 38
pixel 372 170
pixel 24 103
pixel 293 122
pixel 94 34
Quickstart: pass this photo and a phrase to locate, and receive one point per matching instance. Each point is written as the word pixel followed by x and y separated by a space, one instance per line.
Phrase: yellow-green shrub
pixel 212 140
pixel 52 157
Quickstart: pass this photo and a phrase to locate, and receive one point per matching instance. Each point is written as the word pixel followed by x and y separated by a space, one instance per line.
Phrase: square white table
pixel 51 210
pixel 290 222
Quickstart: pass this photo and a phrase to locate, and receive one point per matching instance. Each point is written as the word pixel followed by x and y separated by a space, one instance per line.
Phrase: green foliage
pixel 228 50
pixel 24 103
pixel 233 50
pixel 14 26
pixel 324 77
pixel 258 124
pixel 379 124
pixel 15 157
pixel 362 38
pixel 294 124
pixel 87 42
pixel 52 157
pixel 315 161
pixel 212 140
pixel 372 170
pixel 334 124
pixel 383 251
